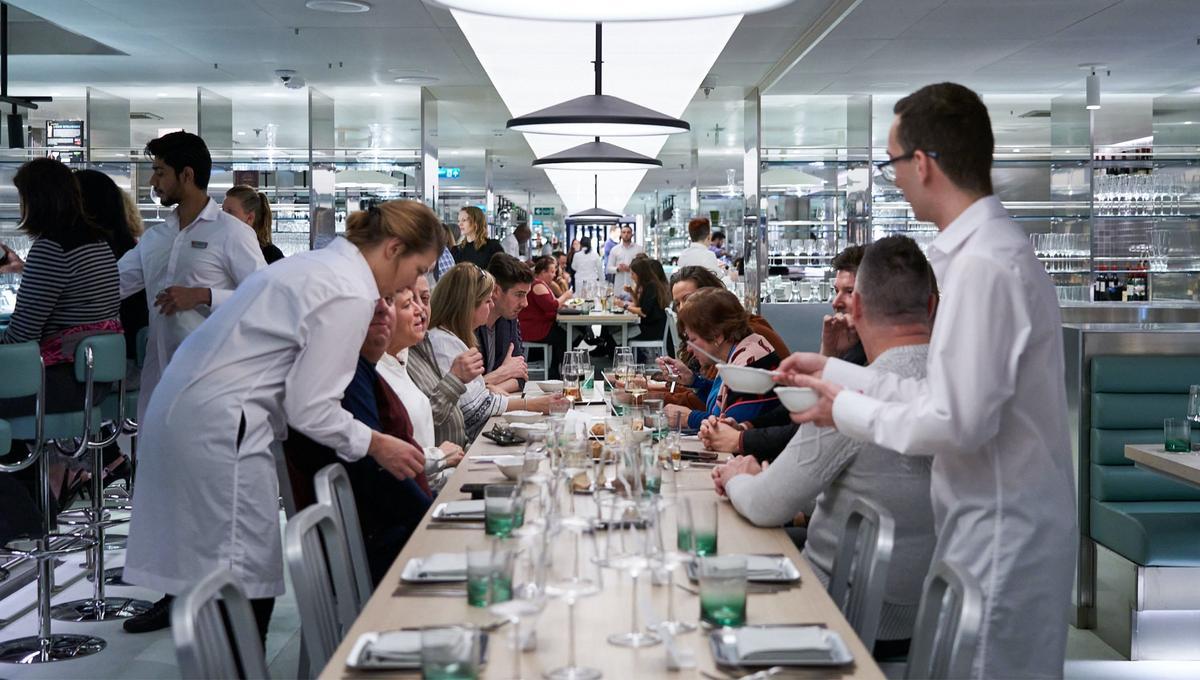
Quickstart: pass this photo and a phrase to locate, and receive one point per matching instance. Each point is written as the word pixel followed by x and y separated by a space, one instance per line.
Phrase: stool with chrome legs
pixel 103 361
pixel 24 376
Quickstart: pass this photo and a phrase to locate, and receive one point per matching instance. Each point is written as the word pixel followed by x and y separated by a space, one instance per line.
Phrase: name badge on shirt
pixel 200 244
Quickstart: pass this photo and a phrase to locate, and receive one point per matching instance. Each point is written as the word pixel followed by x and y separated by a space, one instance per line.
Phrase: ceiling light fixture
pixel 611 10
pixel 598 115
pixel 1093 85
pixel 339 6
pixel 597 156
pixel 415 80
pixel 596 214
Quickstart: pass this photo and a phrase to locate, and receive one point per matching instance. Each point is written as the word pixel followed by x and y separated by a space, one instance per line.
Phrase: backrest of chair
pixel 320 571
pixel 947 628
pixel 215 632
pixel 143 337
pixel 108 358
pixel 860 567
pixel 21 365
pixel 1130 397
pixel 673 327
pixel 333 489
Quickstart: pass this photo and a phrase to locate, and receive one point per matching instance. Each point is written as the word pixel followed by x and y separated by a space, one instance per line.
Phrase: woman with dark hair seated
pixel 539 320
pixel 716 322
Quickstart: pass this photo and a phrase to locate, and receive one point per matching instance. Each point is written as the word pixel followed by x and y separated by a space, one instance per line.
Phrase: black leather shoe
pixel 157 617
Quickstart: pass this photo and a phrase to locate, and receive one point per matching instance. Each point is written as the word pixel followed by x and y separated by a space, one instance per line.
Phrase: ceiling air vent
pixel 144 115
pixel 1036 113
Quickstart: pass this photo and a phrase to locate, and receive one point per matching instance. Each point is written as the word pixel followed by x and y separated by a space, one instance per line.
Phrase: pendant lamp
pixel 596 214
pixel 598 115
pixel 611 10
pixel 597 156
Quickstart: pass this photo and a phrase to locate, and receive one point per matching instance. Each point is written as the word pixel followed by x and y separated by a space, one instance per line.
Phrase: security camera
pixel 289 78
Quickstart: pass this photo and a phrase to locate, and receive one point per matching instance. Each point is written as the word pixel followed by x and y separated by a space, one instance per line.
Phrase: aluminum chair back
pixel 860 567
pixel 946 633
pixel 673 327
pixel 24 376
pixel 333 489
pixel 215 632
pixel 320 569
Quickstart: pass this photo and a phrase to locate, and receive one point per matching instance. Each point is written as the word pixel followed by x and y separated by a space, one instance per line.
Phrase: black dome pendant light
pixel 598 115
pixel 596 214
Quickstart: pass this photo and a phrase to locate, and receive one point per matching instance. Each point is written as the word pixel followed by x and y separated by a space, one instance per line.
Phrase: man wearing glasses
pixel 992 410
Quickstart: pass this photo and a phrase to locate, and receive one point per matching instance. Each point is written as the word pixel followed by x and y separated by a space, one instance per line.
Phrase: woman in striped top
pixel 69 286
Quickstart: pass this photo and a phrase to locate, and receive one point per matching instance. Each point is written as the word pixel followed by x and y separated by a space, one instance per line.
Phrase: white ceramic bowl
pixel 550 386
pixel 523 416
pixel 511 466
pixel 745 379
pixel 797 399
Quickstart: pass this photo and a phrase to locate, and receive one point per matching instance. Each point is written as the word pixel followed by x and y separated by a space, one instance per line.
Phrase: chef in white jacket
pixel 279 352
pixel 992 409
pixel 191 262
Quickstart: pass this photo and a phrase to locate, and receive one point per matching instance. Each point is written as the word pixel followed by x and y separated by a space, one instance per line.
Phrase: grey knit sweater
pixel 825 466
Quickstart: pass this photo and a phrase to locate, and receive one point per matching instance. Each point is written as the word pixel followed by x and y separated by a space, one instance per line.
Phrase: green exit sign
pixel 543 211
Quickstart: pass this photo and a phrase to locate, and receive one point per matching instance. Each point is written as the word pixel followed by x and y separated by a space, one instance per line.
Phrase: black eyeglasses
pixel 888 169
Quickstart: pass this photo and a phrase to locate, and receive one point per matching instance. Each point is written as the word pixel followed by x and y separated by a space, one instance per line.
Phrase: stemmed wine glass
pixel 633 556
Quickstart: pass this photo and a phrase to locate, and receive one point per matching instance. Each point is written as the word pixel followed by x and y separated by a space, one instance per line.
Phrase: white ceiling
pixel 1018 53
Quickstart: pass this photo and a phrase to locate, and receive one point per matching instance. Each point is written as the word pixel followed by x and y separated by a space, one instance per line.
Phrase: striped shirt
pixel 63 288
pixel 443 390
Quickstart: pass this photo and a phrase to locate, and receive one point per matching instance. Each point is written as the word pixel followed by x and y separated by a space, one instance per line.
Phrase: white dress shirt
pixel 394 371
pixel 993 413
pixel 216 251
pixel 587 269
pixel 622 254
pixel 698 255
pixel 279 352
pixel 510 245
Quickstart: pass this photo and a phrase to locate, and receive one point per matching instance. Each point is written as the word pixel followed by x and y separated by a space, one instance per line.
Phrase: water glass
pixel 696 530
pixel 489 574
pixel 723 590
pixel 499 509
pixel 651 472
pixel 1177 435
pixel 450 653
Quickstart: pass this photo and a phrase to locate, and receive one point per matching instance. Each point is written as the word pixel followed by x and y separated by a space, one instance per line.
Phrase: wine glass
pixel 633 560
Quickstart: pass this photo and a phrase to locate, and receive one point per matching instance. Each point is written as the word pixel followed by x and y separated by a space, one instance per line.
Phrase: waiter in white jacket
pixel 279 352
pixel 992 409
pixel 190 263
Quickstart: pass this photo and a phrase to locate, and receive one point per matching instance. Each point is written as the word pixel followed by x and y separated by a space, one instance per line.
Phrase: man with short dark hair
pixel 499 339
pixel 619 260
pixel 893 309
pixel 838 338
pixel 191 262
pixel 993 409
pixel 697 253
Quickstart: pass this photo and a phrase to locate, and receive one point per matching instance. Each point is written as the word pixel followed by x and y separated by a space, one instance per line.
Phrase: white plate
pixel 524 416
pixel 724 645
pixel 760 568
pixel 361 657
pixel 455 511
pixel 412 569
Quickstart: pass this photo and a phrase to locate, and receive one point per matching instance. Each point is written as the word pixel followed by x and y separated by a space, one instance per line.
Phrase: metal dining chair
pixel 332 485
pixel 216 635
pixel 860 567
pixel 946 632
pixel 542 368
pixel 320 569
pixel 673 328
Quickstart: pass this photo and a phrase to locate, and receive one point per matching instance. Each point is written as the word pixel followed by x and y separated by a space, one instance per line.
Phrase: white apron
pixel 280 351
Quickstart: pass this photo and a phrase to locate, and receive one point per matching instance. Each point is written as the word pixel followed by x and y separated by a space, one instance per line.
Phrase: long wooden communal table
pixel 1184 467
pixel 607 612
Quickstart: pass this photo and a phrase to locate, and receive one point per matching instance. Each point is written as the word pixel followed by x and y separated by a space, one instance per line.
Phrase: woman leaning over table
pixel 461 303
pixel 393 368
pixel 716 323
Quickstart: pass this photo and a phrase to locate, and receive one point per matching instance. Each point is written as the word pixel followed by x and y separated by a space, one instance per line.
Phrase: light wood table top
pixel 609 611
pixel 1184 467
pixel 603 319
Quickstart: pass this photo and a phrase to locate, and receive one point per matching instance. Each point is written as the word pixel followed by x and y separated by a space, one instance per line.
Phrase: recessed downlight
pixel 339 6
pixel 416 80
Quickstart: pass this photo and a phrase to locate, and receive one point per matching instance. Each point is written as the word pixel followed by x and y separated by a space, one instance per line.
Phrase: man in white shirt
pixel 619 260
pixel 697 253
pixel 190 263
pixel 992 410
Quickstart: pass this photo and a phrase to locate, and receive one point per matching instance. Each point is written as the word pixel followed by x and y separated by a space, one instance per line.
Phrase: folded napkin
pixel 764 566
pixel 796 644
pixel 397 646
pixel 442 565
pixel 462 508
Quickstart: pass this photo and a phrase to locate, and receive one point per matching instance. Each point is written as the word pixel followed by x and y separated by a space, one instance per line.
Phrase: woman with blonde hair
pixel 279 352
pixel 462 301
pixel 252 207
pixel 475 246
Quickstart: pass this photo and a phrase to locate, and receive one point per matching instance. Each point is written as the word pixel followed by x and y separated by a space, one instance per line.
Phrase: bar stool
pixel 24 376
pixel 544 367
pixel 103 361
